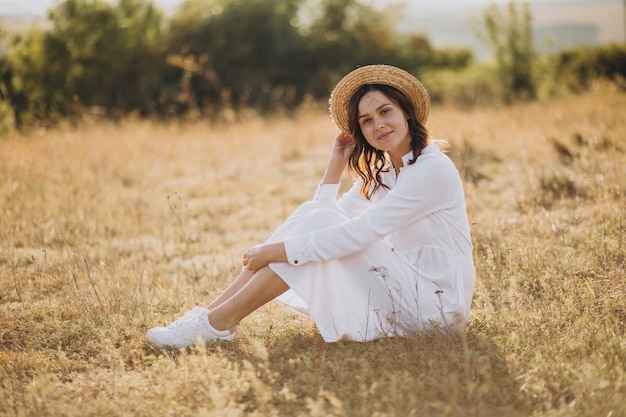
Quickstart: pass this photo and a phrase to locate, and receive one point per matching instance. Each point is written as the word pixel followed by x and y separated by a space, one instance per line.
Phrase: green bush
pixel 579 67
pixel 471 86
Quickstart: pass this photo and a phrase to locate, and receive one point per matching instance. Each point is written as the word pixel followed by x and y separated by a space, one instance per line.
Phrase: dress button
pixel 295 262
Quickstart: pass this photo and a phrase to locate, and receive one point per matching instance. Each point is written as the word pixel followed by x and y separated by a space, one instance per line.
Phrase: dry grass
pixel 107 230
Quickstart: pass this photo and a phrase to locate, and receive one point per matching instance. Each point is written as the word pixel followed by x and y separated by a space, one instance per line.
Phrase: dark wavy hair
pixel 367 161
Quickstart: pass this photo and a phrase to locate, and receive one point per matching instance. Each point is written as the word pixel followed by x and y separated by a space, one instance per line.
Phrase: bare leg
pixel 241 280
pixel 259 289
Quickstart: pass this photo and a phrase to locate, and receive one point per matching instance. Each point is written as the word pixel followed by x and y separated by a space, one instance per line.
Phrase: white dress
pixel 392 266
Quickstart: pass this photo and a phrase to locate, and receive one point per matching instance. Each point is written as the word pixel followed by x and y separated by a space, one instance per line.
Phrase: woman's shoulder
pixel 434 162
pixel 436 147
pixel 434 153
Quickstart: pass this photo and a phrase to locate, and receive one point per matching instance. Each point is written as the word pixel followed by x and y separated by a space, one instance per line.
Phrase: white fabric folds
pixel 392 266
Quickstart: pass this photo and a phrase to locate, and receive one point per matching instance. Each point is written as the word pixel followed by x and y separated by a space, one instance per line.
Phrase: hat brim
pixel 395 77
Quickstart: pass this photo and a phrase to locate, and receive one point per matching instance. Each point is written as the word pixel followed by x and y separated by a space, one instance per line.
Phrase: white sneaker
pixel 184 332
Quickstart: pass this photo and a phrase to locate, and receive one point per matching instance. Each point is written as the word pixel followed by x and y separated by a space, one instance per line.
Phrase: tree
pixel 212 55
pixel 38 83
pixel 95 54
pixel 510 34
pixel 7 113
pixel 243 53
pixel 114 51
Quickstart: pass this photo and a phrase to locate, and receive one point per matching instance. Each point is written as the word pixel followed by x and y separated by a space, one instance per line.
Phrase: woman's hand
pixel 260 256
pixel 343 145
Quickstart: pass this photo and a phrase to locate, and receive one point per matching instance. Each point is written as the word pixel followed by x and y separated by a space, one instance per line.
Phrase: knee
pixel 324 214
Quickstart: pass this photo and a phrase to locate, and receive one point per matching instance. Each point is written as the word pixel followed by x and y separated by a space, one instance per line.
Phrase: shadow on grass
pixel 460 375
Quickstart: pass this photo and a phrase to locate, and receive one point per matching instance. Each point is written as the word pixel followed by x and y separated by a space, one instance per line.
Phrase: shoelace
pixel 188 329
pixel 190 315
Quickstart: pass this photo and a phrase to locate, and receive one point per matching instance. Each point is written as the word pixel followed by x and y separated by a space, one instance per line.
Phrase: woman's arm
pixel 421 190
pixel 259 256
pixel 342 148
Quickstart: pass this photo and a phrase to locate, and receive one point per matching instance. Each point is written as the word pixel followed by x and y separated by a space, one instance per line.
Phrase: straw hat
pixel 377 74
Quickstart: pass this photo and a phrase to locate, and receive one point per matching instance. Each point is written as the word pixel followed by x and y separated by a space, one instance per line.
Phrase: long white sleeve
pixel 430 185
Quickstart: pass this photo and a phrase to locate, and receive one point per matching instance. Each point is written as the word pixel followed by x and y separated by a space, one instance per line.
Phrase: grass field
pixel 109 229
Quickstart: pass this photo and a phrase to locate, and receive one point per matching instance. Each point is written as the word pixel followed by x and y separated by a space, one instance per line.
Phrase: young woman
pixel 391 257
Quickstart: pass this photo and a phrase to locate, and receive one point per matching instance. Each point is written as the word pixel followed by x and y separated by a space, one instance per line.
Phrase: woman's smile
pixel 384 135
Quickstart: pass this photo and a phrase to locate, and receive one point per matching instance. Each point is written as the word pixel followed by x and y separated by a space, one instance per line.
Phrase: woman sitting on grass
pixel 391 257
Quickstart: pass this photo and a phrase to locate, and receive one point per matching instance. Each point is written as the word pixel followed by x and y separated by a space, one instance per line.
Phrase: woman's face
pixel 383 124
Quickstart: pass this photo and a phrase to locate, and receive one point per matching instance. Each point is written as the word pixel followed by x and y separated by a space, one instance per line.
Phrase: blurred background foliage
pixel 218 58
